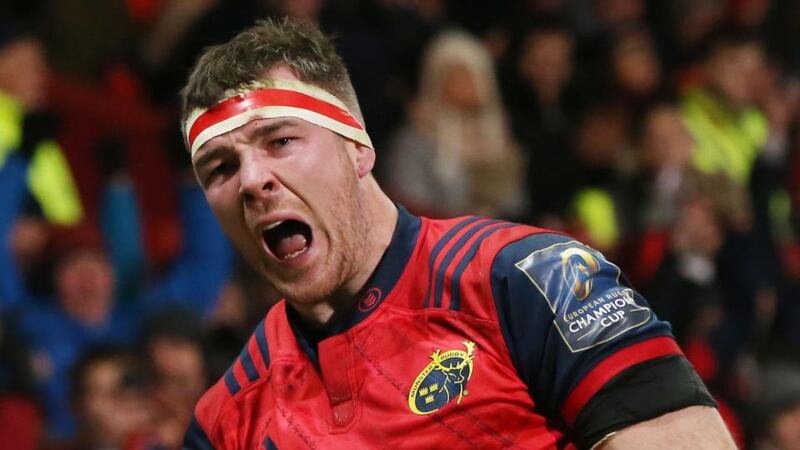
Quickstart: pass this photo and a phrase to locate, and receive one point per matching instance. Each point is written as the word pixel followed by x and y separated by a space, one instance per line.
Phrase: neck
pixel 382 220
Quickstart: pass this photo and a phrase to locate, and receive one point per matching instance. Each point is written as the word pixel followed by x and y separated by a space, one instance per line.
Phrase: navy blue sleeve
pixel 195 438
pixel 570 321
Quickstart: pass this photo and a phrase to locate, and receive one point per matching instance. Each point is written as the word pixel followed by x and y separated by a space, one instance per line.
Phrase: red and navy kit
pixel 471 333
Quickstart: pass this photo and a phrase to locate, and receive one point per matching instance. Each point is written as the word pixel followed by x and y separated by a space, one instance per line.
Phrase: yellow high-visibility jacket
pixel 49 176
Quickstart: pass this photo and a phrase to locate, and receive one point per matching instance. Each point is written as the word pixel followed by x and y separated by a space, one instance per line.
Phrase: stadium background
pixel 664 133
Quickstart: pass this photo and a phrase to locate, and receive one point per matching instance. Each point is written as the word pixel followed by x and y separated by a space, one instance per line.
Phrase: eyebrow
pixel 201 160
pixel 265 130
pixel 258 132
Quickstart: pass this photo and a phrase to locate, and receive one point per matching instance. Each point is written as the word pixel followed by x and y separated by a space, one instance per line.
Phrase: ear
pixel 363 159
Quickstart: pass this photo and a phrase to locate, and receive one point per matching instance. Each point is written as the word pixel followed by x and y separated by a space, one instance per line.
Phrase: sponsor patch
pixel 583 291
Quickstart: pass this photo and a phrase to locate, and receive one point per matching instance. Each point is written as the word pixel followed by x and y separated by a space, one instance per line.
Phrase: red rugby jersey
pixel 471 333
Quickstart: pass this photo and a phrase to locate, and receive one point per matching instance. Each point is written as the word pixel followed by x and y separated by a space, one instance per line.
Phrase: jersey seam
pixel 495 302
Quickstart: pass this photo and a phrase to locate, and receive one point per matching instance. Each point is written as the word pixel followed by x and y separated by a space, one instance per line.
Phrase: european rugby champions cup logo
pixel 442 380
pixel 578 267
pixel 590 306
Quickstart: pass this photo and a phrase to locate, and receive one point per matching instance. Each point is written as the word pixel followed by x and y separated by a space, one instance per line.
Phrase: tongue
pixel 290 244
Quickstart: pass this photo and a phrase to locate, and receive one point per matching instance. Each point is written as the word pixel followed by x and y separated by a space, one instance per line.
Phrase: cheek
pixel 319 174
pixel 227 208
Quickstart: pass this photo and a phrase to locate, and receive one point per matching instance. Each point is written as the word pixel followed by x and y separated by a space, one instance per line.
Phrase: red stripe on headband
pixel 268 97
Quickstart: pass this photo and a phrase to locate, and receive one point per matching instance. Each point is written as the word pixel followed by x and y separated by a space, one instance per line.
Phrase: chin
pixel 305 290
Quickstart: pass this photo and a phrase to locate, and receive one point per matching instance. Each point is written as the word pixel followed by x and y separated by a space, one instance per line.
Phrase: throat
pixel 316 322
pixel 319 316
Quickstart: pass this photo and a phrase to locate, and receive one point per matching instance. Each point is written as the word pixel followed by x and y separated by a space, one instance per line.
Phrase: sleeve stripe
pixel 438 248
pixel 613 366
pixel 231 383
pixel 261 339
pixel 448 258
pixel 247 363
pixel 196 438
pixel 455 297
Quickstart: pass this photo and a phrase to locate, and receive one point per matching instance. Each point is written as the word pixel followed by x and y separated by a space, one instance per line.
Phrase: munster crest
pixel 442 380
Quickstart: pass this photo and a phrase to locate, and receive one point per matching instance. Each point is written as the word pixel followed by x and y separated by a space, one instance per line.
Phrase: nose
pixel 256 178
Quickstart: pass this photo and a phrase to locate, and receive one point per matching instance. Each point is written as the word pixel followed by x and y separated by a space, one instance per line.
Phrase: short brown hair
pixel 296 44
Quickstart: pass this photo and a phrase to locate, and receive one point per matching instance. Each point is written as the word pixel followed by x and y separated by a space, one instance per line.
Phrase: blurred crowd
pixel 664 133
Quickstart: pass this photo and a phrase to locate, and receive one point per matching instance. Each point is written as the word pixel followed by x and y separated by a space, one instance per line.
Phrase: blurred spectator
pixel 667 175
pixel 778 408
pixel 636 73
pixel 83 315
pixel 455 155
pixel 228 324
pixel 728 127
pixel 109 130
pixel 86 313
pixel 542 108
pixel 111 396
pixel 737 150
pixel 666 152
pixel 692 22
pixel 174 345
pixel 601 209
pixel 205 262
pixel 689 272
pixel 664 187
pixel 27 131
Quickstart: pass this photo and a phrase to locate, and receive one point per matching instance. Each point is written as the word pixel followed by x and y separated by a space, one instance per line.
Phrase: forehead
pixel 281 73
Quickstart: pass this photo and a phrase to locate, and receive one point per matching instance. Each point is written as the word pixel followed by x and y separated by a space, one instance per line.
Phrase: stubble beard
pixel 349 245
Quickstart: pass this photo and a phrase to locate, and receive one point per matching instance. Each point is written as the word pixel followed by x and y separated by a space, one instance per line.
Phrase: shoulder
pixel 453 255
pixel 560 269
pixel 552 279
pixel 483 235
pixel 249 368
pixel 536 251
pixel 202 431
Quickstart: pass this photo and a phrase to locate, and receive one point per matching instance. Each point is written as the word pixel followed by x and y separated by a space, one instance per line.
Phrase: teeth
pixel 295 254
pixel 272 225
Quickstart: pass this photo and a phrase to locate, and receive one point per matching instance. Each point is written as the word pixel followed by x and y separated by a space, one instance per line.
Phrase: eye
pixel 221 170
pixel 281 142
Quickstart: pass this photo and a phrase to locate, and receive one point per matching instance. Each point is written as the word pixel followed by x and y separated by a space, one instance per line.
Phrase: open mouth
pixel 287 239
